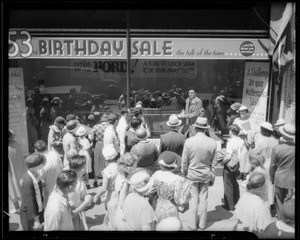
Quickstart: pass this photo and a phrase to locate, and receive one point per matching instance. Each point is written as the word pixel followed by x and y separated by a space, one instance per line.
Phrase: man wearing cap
pixel 138 213
pixel 173 140
pixel 31 213
pixel 282 167
pixel 146 152
pixel 193 106
pixel 198 157
pixel 266 143
pixel 121 129
pixel 97 135
pixel 69 139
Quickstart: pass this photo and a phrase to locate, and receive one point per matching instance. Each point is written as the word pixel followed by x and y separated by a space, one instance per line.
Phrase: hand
pixel 88 199
pixel 37 226
pixel 89 206
pixel 96 199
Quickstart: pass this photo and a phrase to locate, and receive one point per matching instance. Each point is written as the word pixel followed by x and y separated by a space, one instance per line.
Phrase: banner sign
pixel 23 45
pixel 255 90
pixel 111 69
pixel 16 111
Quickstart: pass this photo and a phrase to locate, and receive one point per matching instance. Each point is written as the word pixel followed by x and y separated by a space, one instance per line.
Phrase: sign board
pixel 255 90
pixel 16 115
pixel 140 68
pixel 23 44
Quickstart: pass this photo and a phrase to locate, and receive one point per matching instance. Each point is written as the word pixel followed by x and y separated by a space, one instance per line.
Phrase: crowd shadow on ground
pixel 96 221
pixel 217 215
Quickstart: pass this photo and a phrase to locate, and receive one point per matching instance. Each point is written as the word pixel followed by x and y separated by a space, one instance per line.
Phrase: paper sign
pixel 255 90
pixel 16 116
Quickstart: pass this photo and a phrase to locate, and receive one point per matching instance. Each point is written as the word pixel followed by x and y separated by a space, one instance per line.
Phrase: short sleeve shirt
pixel 234 146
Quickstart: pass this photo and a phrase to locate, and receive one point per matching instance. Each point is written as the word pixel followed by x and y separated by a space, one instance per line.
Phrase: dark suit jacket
pixel 172 141
pixel 282 167
pixel 29 203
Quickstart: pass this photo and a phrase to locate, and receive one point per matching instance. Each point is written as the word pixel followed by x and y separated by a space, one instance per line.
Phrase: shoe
pixel 88 187
pixel 95 184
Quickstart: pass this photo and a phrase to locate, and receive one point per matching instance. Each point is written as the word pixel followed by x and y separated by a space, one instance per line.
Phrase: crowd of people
pixel 150 187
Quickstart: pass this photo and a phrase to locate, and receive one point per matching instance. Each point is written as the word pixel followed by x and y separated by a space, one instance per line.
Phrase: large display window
pixel 89 76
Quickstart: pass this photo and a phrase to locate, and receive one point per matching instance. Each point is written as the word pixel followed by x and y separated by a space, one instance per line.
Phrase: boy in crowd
pixel 58 214
pixel 79 199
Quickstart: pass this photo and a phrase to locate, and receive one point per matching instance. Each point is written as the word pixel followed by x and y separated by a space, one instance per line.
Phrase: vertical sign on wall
pixel 17 116
pixel 255 91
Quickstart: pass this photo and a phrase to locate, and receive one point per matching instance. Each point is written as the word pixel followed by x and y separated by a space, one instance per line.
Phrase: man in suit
pixel 199 155
pixel 31 213
pixel 193 106
pixel 172 141
pixel 282 167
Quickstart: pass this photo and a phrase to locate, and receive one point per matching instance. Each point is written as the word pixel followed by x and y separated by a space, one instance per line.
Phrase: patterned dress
pixel 97 134
pixel 171 194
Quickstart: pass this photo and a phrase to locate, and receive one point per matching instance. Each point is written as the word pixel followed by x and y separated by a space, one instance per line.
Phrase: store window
pixel 85 76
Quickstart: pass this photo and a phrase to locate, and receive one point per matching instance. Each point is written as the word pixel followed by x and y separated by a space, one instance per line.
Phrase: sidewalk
pixel 218 219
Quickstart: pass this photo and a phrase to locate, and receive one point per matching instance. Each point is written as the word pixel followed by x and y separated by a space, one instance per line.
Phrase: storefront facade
pixel 233 57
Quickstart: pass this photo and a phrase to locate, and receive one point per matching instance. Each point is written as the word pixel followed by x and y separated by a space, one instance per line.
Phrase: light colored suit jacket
pixel 199 154
pixel 192 109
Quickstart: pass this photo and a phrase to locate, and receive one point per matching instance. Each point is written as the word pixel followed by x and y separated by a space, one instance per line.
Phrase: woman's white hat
pixel 243 107
pixel 141 182
pixel 267 125
pixel 80 131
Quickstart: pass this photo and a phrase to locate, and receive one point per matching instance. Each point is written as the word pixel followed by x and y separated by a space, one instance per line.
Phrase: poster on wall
pixel 16 112
pixel 255 90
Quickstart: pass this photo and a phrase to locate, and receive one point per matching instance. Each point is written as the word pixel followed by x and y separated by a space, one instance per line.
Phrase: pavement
pixel 218 219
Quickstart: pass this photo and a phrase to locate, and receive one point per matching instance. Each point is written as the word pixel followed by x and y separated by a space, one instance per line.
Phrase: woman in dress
pixel 247 133
pixel 126 167
pixel 172 190
pixel 109 177
pixel 252 213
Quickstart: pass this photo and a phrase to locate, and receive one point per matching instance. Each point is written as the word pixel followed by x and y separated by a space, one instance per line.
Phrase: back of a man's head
pixel 65 179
